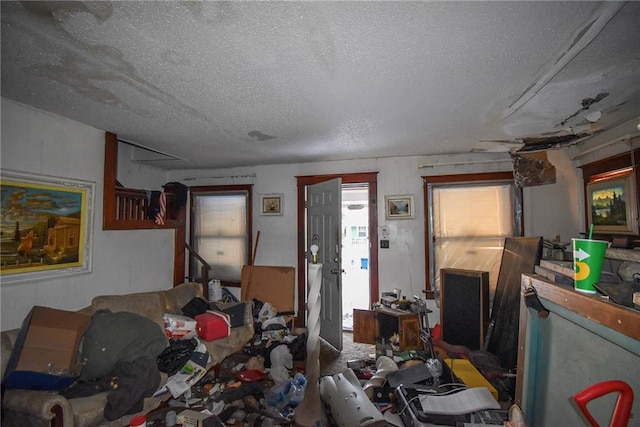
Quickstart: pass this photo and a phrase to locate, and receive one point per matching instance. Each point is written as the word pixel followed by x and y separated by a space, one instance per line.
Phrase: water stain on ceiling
pixel 223 84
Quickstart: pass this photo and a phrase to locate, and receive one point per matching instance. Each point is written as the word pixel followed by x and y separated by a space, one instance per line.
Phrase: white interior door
pixel 324 229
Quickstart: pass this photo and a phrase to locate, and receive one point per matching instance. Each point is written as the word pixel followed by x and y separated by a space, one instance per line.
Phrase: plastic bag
pixel 281 363
pixel 286 395
pixel 180 327
pixel 176 355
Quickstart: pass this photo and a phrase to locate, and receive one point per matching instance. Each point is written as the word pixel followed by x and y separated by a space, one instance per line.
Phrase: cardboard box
pixel 275 285
pixel 190 418
pixel 46 349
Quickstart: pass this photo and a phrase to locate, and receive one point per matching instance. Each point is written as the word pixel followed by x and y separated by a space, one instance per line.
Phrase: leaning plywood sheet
pixel 275 285
pixel 520 255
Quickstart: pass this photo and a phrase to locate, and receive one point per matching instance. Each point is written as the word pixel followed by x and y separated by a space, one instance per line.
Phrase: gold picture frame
pixel 46 226
pixel 271 204
pixel 612 205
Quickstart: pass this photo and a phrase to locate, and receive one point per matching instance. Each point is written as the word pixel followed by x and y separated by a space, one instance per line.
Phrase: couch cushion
pixel 148 304
pixel 176 297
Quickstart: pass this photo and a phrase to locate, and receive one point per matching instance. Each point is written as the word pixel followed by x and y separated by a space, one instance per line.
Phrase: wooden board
pixel 563 267
pixel 553 276
pixel 275 285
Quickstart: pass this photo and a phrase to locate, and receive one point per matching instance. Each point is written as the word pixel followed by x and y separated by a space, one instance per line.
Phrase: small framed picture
pixel 399 207
pixel 271 204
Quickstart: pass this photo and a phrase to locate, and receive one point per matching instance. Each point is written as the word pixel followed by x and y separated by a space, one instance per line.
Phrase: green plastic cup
pixel 588 256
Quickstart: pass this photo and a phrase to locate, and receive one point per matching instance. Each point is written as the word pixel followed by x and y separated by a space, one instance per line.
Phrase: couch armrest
pixel 7 341
pixel 36 405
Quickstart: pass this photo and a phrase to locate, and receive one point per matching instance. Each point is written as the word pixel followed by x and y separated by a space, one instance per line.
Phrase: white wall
pixel 135 175
pixel 134 261
pixel 555 209
pixel 549 210
pixel 123 261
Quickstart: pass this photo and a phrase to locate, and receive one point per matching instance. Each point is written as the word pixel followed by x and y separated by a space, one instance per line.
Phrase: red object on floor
pixel 251 375
pixel 622 410
pixel 138 421
pixel 363 375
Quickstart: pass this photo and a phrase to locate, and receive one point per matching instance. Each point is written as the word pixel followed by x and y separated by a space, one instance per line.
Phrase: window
pixel 358 232
pixel 469 217
pixel 221 230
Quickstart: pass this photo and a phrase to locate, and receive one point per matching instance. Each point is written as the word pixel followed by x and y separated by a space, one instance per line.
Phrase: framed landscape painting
pixel 399 207
pixel 612 205
pixel 45 226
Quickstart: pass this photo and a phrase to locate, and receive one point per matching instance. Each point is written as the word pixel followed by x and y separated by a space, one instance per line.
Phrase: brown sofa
pixel 43 408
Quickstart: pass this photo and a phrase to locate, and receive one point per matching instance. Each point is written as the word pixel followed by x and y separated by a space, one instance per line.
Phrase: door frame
pixel 370 178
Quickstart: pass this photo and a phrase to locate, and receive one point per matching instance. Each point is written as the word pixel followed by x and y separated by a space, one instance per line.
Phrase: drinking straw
pixel 590 231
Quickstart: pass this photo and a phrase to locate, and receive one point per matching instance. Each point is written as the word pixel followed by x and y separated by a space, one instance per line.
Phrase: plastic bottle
pixel 215 290
pixel 296 393
pixel 170 419
pixel 286 393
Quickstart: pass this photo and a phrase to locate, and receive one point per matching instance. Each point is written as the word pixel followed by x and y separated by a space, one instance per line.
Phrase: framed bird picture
pixel 45 226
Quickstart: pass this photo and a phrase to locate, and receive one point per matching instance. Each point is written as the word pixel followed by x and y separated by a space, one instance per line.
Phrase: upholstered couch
pixel 42 408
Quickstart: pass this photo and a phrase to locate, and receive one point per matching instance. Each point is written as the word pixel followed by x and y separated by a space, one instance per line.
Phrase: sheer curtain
pixel 469 222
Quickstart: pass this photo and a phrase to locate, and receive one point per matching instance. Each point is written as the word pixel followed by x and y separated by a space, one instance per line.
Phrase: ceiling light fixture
pixel 593 116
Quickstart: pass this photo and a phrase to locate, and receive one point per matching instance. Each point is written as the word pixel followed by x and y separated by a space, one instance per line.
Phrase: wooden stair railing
pixel 126 209
pixel 204 269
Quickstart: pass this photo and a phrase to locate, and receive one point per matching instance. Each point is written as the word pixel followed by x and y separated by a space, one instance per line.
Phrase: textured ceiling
pixel 219 84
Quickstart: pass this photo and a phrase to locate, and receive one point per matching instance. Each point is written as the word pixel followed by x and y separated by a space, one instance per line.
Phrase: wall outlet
pixel 384 244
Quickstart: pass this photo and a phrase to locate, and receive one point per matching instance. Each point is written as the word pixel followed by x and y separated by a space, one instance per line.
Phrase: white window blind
pixel 220 232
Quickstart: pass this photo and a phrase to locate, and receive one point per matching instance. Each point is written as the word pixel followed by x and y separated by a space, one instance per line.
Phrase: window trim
pixel 455 179
pixel 224 189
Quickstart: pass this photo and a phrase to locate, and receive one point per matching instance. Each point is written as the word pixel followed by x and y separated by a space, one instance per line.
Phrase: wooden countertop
pixel 593 307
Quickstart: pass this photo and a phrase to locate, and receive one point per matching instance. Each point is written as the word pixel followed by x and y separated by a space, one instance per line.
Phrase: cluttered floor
pixel 245 396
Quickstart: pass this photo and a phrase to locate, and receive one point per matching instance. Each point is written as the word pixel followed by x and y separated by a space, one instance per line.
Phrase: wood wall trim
pixel 110 174
pixel 109 215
